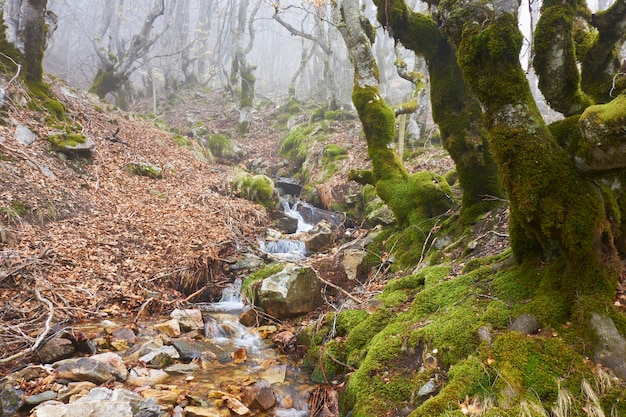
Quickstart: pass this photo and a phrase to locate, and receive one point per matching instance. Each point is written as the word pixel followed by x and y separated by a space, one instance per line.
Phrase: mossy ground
pixel 428 330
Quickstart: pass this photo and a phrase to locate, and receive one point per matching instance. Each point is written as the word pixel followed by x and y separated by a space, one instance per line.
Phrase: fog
pixel 194 43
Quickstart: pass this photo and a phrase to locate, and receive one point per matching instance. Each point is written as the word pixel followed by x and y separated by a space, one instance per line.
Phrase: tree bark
pixel 455 108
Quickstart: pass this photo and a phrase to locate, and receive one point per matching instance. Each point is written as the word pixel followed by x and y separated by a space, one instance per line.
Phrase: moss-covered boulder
pixel 72 143
pixel 144 170
pixel 289 293
pixel 257 188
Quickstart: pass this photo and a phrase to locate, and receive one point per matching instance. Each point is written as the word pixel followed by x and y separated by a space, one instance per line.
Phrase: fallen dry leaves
pixel 96 240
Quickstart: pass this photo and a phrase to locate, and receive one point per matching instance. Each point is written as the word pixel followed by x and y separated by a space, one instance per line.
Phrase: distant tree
pixel 118 57
pixel 242 77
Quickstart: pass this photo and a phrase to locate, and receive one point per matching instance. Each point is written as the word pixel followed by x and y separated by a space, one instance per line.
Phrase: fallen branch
pixel 346 293
pixel 41 336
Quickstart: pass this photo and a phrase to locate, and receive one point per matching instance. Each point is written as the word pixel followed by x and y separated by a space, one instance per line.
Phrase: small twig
pixel 330 284
pixel 142 308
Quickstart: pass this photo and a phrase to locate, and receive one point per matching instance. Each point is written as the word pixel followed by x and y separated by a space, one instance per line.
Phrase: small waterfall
pixel 287 249
pixel 231 298
pixel 292 211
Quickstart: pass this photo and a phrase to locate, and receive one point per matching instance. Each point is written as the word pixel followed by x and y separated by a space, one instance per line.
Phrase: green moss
pixel 64 140
pixel 183 141
pixel 56 108
pixel 497 315
pixel 220 145
pixel 257 276
pixel 402 289
pixel 17 209
pixel 256 188
pixel 465 378
pixel 359 338
pixel 145 170
pixel 333 152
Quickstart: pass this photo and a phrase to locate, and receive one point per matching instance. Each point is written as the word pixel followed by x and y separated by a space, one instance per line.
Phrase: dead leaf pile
pixel 94 239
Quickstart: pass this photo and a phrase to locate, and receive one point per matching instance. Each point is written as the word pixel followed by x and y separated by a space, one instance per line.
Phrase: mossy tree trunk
pixel 26 29
pixel 241 70
pixel 558 210
pixel 455 109
pixel 116 62
pixel 34 36
pixel 413 198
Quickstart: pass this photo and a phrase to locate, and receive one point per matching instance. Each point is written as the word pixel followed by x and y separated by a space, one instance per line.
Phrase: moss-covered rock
pixel 256 188
pixel 145 170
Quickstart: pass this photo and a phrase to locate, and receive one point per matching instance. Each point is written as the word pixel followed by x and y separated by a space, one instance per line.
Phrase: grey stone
pixel 85 369
pixel 191 349
pixel 115 361
pixel 170 351
pixel 427 389
pixel 484 334
pixel 249 262
pixel 526 324
pixel 39 398
pixel 292 292
pixel 352 261
pixel 24 135
pixel 85 408
pixel 182 368
pixel 10 401
pixel 189 319
pixel 56 349
pixel 610 348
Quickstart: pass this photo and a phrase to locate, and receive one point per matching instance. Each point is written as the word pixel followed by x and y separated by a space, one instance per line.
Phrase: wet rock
pixel 352 263
pixel 182 368
pixel 138 351
pixel 113 359
pixel 75 389
pixel 191 349
pixel 193 411
pixel 526 324
pixel 163 397
pixel 207 360
pixel 170 328
pixel 126 334
pixel 610 348
pixel 252 317
pixel 10 401
pixel 189 319
pixel 320 238
pixel 427 389
pixel 288 186
pixel 32 400
pixel 259 396
pixel 165 350
pixel 56 349
pixel 248 262
pixel 85 369
pixel 84 408
pixel 292 292
pixel 139 376
pixel 284 223
pixel 24 135
pixel 27 374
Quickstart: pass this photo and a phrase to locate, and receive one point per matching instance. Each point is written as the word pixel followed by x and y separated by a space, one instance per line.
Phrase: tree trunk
pixel 27 30
pixel 413 198
pixel 455 109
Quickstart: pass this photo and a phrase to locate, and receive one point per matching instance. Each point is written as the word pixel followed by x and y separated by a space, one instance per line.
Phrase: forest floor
pixel 85 240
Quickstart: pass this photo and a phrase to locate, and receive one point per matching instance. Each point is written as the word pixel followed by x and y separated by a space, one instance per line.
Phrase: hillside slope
pixel 94 239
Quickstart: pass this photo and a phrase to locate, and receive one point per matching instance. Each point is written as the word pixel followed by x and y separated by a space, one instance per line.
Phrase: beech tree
pixel 26 28
pixel 564 181
pixel 118 59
